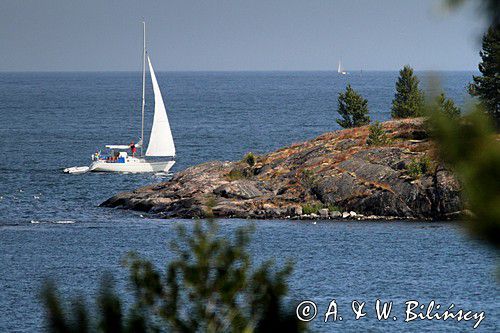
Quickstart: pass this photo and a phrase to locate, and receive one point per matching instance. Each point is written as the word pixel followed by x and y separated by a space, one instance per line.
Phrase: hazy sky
pixel 105 35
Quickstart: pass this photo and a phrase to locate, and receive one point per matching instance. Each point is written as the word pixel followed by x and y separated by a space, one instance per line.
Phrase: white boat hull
pixel 138 166
pixel 76 170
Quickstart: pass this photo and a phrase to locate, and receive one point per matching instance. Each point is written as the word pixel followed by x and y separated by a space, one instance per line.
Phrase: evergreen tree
pixel 487 86
pixel 408 101
pixel 377 135
pixel 447 107
pixel 353 108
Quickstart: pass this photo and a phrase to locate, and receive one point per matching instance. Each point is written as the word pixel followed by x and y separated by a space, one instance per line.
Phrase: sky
pixel 193 35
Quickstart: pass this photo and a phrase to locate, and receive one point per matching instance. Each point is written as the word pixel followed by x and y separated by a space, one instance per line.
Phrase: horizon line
pixel 234 70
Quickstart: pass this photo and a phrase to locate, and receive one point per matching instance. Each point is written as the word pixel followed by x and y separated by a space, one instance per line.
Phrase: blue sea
pixel 51 225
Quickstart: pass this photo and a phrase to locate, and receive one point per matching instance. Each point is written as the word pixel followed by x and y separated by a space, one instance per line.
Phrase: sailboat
pixel 161 143
pixel 340 70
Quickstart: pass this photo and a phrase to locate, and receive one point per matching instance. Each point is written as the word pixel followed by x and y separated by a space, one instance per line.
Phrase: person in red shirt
pixel 133 148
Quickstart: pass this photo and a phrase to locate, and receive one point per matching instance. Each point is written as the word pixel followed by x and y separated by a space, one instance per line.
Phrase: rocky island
pixel 341 174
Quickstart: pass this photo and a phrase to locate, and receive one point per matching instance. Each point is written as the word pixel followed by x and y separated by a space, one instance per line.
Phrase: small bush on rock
pixel 333 208
pixel 250 159
pixel 314 208
pixel 377 136
pixel 418 167
pixel 311 208
pixel 210 203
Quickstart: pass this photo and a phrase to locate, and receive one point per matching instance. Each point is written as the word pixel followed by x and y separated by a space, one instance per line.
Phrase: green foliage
pixel 250 159
pixel 489 8
pixel 468 145
pixel 332 208
pixel 470 148
pixel 426 165
pixel 353 108
pixel 418 167
pixel 408 101
pixel 210 203
pixel 446 106
pixel 487 86
pixel 210 287
pixel 108 319
pixel 413 169
pixel 57 319
pixel 311 208
pixel 377 136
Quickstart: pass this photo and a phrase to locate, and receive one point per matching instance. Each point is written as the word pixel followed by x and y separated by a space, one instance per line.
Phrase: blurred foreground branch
pixel 471 148
pixel 488 8
pixel 210 287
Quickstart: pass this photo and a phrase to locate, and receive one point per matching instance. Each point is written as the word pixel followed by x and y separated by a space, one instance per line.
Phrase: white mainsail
pixel 339 69
pixel 161 142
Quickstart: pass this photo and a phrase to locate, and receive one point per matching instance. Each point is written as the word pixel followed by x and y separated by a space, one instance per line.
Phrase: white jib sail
pixel 161 142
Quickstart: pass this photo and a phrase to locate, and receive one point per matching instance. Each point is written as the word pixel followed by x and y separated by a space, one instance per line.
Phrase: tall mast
pixel 143 82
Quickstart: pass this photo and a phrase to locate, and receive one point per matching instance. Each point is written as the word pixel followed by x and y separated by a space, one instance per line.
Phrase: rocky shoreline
pixel 334 176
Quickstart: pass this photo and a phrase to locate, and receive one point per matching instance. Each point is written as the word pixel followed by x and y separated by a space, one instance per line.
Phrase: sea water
pixel 51 225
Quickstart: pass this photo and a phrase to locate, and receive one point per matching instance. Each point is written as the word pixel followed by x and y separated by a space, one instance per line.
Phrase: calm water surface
pixel 50 225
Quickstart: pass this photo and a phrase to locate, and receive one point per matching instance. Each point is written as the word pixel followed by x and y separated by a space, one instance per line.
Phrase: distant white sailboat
pixel 161 142
pixel 340 70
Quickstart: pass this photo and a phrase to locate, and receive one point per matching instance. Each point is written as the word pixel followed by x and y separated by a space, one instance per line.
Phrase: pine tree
pixel 377 135
pixel 487 86
pixel 409 99
pixel 447 107
pixel 353 108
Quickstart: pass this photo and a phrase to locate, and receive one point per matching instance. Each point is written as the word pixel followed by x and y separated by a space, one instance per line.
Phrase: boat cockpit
pixel 112 155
